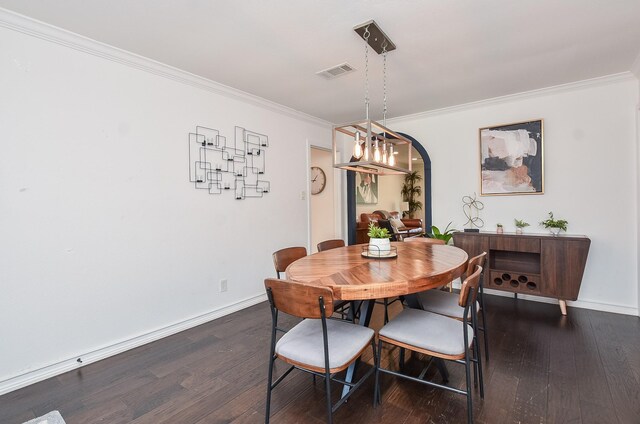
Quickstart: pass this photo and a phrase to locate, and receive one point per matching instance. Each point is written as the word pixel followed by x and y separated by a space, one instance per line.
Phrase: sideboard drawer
pixel 516 244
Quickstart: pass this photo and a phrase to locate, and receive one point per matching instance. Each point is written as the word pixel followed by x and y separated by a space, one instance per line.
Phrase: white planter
pixel 382 245
pixel 518 230
pixel 555 231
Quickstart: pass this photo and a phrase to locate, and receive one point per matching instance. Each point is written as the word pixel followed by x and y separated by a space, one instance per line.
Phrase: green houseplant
pixel 520 225
pixel 379 243
pixel 555 225
pixel 499 228
pixel 446 235
pixel 410 190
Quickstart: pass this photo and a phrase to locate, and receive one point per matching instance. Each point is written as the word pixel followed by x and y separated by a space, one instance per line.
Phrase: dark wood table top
pixel 351 276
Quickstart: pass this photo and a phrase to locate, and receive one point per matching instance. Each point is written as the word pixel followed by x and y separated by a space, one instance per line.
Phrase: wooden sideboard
pixel 536 264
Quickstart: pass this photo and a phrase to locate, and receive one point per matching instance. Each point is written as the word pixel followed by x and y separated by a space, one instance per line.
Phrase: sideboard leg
pixel 563 306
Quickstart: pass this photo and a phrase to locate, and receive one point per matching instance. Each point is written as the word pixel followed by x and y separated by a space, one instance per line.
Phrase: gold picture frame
pixel 512 158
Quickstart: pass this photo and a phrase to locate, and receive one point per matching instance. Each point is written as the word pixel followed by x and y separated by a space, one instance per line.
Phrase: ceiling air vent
pixel 336 71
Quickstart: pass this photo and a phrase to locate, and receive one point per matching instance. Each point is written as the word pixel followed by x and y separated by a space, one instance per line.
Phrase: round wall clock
pixel 318 180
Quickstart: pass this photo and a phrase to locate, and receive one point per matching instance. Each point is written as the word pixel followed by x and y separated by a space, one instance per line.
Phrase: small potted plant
pixel 446 235
pixel 379 244
pixel 520 224
pixel 554 225
pixel 499 229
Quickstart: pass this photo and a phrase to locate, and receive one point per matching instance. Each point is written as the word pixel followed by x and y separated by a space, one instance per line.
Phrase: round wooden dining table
pixel 351 276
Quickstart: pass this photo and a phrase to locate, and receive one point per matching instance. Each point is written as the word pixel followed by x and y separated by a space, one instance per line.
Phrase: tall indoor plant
pixel 410 190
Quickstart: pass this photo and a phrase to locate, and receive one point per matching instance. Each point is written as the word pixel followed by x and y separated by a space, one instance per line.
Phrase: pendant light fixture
pixel 375 147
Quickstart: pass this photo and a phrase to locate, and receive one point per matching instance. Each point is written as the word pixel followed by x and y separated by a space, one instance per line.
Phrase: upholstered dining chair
pixel 330 244
pixel 285 257
pixel 438 336
pixel 445 303
pixel 316 345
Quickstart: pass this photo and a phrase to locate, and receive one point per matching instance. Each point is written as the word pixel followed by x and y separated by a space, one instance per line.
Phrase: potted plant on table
pixel 520 224
pixel 379 243
pixel 499 229
pixel 555 225
pixel 446 235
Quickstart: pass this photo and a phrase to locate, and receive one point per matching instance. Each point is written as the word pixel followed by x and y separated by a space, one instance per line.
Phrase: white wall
pixel 103 240
pixel 590 169
pixel 636 71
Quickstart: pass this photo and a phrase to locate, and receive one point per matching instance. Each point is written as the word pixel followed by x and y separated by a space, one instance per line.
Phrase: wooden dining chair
pixel 340 307
pixel 330 244
pixel 316 345
pixel 440 337
pixel 426 240
pixel 445 303
pixel 285 257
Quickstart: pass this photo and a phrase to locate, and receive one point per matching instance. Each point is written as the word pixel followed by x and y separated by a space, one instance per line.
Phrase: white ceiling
pixel 449 52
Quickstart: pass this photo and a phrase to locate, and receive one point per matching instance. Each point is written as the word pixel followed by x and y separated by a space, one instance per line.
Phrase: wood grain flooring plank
pixel 543 368
pixel 622 383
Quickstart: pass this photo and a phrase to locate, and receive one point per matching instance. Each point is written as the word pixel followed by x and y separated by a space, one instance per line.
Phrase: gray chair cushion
pixel 429 331
pixel 443 303
pixel 303 343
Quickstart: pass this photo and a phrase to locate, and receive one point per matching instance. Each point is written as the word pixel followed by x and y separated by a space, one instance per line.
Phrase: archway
pixel 351 192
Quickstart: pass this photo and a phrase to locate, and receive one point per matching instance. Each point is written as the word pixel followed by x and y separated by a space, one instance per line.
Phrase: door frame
pixel 351 192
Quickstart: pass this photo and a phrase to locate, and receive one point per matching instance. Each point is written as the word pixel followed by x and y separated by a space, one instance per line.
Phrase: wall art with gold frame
pixel 511 159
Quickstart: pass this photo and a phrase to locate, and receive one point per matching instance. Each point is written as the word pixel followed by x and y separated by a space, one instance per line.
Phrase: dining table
pixel 354 276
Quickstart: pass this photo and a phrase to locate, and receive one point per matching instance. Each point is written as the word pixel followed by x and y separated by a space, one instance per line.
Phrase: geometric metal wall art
pixel 217 165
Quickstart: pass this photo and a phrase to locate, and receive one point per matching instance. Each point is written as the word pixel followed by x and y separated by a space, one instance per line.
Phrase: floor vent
pixel 336 71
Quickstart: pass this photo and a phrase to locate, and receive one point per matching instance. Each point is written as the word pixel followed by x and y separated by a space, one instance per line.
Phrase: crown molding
pixel 32 27
pixel 577 85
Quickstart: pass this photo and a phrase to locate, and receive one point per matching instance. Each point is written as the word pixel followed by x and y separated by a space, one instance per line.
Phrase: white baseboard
pixel 34 376
pixel 584 304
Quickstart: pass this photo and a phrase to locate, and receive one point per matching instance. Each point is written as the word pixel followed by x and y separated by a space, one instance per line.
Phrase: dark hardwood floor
pixel 544 368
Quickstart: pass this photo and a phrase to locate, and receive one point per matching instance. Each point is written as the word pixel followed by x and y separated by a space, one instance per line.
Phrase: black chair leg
pixel 479 367
pixel 269 388
pixel 386 310
pixel 376 388
pixel 327 385
pixel 484 324
pixel 469 400
pixel 401 359
pixel 442 368
pixel 475 364
pixel 484 335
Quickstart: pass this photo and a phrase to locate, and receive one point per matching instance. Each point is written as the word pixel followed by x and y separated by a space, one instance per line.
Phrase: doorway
pixel 322 202
pixel 423 165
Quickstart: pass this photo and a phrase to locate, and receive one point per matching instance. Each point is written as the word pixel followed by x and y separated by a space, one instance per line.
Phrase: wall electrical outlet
pixel 223 285
pixel 303 195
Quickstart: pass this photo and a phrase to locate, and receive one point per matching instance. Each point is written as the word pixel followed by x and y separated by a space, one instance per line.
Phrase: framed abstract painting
pixel 511 159
pixel 366 189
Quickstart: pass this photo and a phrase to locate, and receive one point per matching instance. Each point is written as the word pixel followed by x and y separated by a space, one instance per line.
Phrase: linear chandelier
pixel 376 149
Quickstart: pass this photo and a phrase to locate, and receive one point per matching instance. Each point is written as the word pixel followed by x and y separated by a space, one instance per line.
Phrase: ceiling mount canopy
pixel 377 38
pixel 375 147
